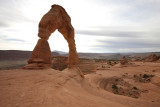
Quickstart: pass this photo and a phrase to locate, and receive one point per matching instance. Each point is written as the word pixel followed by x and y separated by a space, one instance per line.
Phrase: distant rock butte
pixel 152 58
pixel 56 18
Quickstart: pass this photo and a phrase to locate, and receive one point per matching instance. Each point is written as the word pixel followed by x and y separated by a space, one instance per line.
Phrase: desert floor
pixel 134 85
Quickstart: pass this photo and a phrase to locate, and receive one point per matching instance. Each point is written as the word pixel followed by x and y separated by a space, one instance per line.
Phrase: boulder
pixel 123 61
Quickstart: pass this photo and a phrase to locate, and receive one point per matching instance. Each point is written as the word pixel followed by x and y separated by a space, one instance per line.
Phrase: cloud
pixel 11 13
pixel 100 25
pixel 108 33
pixel 15 40
pixel 132 12
pixel 122 39
pixel 127 45
pixel 8 39
pixel 3 24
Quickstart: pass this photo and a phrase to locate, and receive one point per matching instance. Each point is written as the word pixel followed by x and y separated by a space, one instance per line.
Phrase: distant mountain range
pixel 21 55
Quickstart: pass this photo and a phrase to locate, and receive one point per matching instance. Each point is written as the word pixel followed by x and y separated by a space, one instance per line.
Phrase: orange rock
pixel 124 61
pixel 56 18
pixel 59 62
pixel 86 66
pixel 40 55
pixel 37 66
pixel 152 58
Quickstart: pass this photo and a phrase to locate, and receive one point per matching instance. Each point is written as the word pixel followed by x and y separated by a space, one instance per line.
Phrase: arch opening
pixel 57 42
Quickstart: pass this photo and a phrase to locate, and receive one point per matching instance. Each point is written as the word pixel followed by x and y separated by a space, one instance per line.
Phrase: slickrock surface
pixel 114 87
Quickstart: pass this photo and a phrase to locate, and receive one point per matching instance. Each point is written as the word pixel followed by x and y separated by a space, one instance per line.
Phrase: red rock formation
pixel 152 58
pixel 124 61
pixel 41 56
pixel 56 18
pixel 41 53
pixel 86 66
pixel 59 62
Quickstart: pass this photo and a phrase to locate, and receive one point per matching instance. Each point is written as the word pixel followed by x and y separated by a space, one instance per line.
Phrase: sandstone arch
pixel 55 18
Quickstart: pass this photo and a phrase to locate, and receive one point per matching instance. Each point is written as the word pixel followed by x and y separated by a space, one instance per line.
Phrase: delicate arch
pixel 55 18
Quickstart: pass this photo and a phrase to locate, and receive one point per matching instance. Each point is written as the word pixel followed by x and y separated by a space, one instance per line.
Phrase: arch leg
pixel 68 32
pixel 40 57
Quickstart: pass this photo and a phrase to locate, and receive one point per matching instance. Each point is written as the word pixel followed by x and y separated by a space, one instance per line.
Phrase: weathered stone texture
pixel 55 18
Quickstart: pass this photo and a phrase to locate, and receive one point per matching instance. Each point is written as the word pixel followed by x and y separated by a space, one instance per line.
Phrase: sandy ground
pixel 52 88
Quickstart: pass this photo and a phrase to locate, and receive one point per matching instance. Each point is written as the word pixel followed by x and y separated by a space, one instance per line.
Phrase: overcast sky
pixel 105 26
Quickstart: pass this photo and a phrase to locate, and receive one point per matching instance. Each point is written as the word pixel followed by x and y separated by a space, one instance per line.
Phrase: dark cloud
pixel 8 39
pixel 109 33
pixel 127 44
pixel 123 41
pixel 15 40
pixel 3 24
